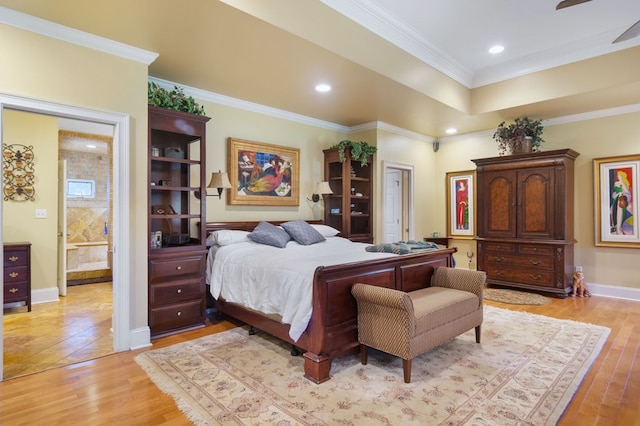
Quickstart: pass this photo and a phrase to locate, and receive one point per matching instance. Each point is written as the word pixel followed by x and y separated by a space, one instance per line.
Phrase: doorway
pixel 121 184
pixel 87 221
pixel 397 196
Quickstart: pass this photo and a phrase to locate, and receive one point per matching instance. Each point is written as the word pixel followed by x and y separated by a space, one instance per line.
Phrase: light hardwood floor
pixel 115 390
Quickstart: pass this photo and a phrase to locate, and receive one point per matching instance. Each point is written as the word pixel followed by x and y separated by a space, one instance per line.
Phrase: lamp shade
pixel 323 188
pixel 219 180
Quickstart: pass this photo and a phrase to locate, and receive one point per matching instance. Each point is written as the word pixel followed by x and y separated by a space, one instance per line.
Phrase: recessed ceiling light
pixel 494 50
pixel 91 146
pixel 451 130
pixel 323 87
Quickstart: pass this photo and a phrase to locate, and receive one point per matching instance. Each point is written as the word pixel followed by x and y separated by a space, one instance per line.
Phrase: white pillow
pixel 326 230
pixel 226 237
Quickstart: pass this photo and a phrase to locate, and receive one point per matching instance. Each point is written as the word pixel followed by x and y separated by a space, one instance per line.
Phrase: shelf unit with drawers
pixel 177 250
pixel 17 273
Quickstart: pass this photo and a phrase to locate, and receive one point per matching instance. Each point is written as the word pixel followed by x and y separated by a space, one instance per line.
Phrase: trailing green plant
pixel 173 99
pixel 359 151
pixel 509 135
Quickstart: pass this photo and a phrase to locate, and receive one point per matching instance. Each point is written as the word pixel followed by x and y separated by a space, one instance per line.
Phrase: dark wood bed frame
pixel 333 329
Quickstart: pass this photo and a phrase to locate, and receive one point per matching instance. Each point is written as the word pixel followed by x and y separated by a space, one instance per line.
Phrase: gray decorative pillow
pixel 269 234
pixel 302 232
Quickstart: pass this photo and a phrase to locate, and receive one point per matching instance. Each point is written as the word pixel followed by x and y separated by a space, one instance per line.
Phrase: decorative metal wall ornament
pixel 18 172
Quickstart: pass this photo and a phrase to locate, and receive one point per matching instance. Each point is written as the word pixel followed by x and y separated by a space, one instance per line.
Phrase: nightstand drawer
pixel 177 316
pixel 17 274
pixel 15 291
pixel 15 258
pixel 175 291
pixel 167 269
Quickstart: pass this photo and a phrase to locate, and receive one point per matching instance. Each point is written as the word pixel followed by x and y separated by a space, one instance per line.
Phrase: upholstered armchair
pixel 408 324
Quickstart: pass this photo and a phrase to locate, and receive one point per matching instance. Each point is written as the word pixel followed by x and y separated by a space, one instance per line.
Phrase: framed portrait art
pixel 616 181
pixel 461 189
pixel 262 174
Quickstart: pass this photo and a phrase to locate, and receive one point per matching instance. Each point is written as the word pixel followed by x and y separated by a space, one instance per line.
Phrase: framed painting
pixel 262 174
pixel 461 189
pixel 616 181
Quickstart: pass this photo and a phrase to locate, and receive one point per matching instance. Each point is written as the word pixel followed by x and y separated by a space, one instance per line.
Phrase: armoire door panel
pixel 535 203
pixel 501 208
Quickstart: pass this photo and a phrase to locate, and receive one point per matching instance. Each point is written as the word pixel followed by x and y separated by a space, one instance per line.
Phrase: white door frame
pixel 121 183
pixel 408 189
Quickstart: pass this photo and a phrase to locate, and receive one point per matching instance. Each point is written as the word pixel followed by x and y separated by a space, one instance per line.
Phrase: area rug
pixel 525 372
pixel 514 297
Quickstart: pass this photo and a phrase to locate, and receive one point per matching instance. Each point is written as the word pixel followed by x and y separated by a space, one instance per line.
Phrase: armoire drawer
pixel 521 275
pixel 506 261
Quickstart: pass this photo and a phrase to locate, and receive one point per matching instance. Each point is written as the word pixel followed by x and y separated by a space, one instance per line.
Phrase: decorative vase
pixel 522 145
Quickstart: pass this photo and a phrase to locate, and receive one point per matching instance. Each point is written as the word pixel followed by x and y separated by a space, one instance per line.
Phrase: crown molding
pixel 71 35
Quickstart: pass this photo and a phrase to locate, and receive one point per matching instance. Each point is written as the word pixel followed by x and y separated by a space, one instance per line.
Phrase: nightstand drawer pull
pixel 178 268
pixel 13 258
pixel 13 290
pixel 13 274
pixel 179 291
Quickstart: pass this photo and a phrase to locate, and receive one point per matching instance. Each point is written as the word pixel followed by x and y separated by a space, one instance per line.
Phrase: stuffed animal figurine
pixel 579 285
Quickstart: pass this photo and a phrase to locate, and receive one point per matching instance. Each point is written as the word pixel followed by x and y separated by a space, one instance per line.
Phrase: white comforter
pixel 278 281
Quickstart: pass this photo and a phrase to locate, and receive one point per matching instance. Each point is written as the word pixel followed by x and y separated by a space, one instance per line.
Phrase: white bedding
pixel 278 281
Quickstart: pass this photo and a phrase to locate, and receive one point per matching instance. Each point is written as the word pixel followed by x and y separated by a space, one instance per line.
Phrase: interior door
pixel 62 227
pixel 393 206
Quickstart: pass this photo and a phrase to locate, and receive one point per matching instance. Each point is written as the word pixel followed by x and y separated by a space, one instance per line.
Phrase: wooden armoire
pixel 525 220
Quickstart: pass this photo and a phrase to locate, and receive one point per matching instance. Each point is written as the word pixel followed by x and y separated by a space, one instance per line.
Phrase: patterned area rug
pixel 514 297
pixel 519 375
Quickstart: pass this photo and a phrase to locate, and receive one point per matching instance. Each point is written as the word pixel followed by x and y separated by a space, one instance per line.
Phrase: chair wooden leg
pixel 406 368
pixel 478 334
pixel 363 354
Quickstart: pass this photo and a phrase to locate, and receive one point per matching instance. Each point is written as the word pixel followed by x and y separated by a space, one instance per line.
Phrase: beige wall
pixel 38 67
pixel 311 140
pixel 19 222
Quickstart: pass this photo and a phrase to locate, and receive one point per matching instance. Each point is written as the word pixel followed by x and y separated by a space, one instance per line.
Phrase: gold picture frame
pixel 461 207
pixel 262 174
pixel 616 182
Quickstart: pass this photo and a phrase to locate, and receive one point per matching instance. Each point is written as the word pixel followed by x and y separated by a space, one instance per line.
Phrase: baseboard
pixel 44 295
pixel 140 338
pixel 615 292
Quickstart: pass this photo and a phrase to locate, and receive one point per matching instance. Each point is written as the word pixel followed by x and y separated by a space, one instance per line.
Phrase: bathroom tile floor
pixel 75 329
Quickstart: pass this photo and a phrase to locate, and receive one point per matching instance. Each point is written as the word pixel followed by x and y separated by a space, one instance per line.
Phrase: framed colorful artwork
pixel 262 174
pixel 616 181
pixel 461 189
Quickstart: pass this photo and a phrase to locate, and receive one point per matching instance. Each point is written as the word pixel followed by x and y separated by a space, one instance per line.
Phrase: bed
pixel 331 329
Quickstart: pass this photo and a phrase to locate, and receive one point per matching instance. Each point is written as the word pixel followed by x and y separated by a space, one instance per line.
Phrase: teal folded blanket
pixel 402 247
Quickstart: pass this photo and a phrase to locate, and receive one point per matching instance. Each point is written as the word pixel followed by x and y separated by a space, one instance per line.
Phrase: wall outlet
pixel 41 213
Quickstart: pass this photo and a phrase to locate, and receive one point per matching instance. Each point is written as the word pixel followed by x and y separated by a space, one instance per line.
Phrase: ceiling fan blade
pixel 632 31
pixel 568 3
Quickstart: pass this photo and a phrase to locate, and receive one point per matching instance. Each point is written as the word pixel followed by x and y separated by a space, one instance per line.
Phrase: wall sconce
pixel 220 181
pixel 323 188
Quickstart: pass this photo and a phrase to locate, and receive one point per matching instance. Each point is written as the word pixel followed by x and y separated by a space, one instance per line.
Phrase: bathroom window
pixel 81 188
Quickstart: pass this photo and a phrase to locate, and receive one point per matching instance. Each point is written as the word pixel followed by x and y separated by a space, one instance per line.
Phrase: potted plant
pixel 172 99
pixel 359 151
pixel 523 135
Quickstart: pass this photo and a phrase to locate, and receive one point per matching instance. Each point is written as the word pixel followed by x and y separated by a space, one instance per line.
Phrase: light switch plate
pixel 41 213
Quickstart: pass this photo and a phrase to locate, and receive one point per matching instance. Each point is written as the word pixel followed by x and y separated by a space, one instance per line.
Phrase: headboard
pixel 246 226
